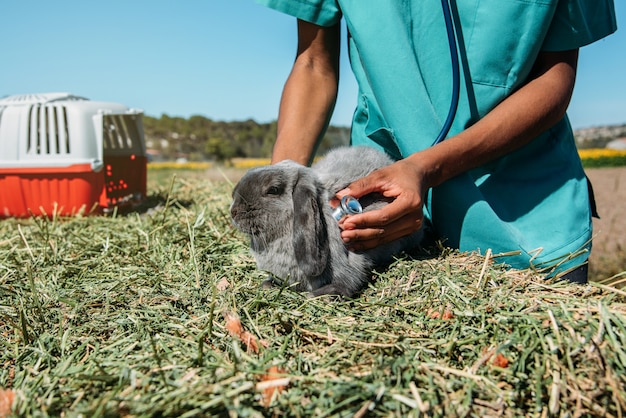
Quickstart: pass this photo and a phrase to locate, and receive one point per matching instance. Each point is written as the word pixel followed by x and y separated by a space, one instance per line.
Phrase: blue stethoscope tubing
pixel 456 82
pixel 354 206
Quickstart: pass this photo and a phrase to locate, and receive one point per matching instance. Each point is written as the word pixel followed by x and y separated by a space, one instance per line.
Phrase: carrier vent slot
pixel 47 131
pixel 108 130
pixel 41 129
pixel 132 130
pixel 109 133
pixel 29 133
pixel 37 130
pixel 55 128
pixel 128 139
pixel 66 130
pixel 60 129
pixel 118 134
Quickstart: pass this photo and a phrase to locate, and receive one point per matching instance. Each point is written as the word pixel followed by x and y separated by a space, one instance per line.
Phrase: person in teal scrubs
pixel 508 177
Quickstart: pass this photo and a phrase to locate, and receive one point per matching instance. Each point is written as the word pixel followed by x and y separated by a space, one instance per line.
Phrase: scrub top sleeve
pixel 319 12
pixel 577 23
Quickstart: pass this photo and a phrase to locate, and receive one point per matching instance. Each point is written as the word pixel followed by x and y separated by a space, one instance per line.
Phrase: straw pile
pixel 159 313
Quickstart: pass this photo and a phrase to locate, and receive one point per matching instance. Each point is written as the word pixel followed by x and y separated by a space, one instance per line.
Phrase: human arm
pixel 535 107
pixel 309 94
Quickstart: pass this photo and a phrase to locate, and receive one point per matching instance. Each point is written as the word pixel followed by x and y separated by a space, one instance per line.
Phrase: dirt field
pixel 608 256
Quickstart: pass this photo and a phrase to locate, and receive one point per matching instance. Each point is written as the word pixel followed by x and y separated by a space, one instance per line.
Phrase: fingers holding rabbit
pixel 402 216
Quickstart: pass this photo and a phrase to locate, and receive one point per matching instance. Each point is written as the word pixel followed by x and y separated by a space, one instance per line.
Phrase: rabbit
pixel 285 211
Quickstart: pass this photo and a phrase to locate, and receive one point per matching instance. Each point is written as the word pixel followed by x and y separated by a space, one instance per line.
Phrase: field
pixel 159 313
pixel 608 256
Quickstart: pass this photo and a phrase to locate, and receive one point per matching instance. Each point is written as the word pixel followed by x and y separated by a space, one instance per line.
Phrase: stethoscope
pixel 456 80
pixel 350 205
pixel 347 206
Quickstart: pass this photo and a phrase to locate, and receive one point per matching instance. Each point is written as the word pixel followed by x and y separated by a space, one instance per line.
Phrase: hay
pixel 129 316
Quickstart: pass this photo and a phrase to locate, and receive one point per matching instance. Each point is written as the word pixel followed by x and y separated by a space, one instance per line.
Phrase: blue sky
pixel 224 59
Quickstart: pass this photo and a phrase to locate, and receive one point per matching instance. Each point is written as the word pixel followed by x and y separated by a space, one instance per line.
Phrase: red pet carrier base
pixel 65 155
pixel 73 190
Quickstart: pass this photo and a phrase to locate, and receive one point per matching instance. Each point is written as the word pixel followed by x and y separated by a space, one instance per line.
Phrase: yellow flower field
pixel 595 157
pixel 172 165
pixel 247 163
pixel 602 157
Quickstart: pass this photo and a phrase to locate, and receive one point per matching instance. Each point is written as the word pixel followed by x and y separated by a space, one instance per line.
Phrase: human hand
pixel 404 182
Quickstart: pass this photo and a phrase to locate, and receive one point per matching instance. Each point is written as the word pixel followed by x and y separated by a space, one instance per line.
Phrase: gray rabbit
pixel 284 209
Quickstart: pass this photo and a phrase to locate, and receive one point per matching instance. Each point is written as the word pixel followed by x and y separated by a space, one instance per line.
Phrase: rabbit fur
pixel 285 211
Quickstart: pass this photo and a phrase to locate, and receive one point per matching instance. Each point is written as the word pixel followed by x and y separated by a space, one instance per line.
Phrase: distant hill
pixel 198 138
pixel 599 136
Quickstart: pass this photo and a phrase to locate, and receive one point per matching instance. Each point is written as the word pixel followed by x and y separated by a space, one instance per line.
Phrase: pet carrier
pixel 63 154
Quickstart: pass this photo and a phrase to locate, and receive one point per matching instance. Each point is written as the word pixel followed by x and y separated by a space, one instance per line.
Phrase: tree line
pixel 199 138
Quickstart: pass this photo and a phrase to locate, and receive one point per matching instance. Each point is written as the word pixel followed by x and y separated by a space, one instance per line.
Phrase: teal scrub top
pixel 532 203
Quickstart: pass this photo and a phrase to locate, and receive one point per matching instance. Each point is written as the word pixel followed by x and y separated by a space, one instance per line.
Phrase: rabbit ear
pixel 310 235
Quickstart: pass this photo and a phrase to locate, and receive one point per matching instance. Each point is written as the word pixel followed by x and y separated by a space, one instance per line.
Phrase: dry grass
pixel 159 313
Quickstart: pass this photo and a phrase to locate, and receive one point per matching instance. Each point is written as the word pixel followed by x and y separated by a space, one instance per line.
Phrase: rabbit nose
pixel 233 210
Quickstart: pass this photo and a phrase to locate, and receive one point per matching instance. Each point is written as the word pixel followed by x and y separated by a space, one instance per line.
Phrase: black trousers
pixel 578 275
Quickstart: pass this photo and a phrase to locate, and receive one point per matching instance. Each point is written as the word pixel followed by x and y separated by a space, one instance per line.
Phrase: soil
pixel 608 256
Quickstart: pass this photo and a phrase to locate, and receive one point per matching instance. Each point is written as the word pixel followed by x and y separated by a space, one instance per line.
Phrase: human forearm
pixel 306 106
pixel 309 95
pixel 534 108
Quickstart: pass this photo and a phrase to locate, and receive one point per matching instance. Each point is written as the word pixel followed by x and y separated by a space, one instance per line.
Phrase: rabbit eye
pixel 275 190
